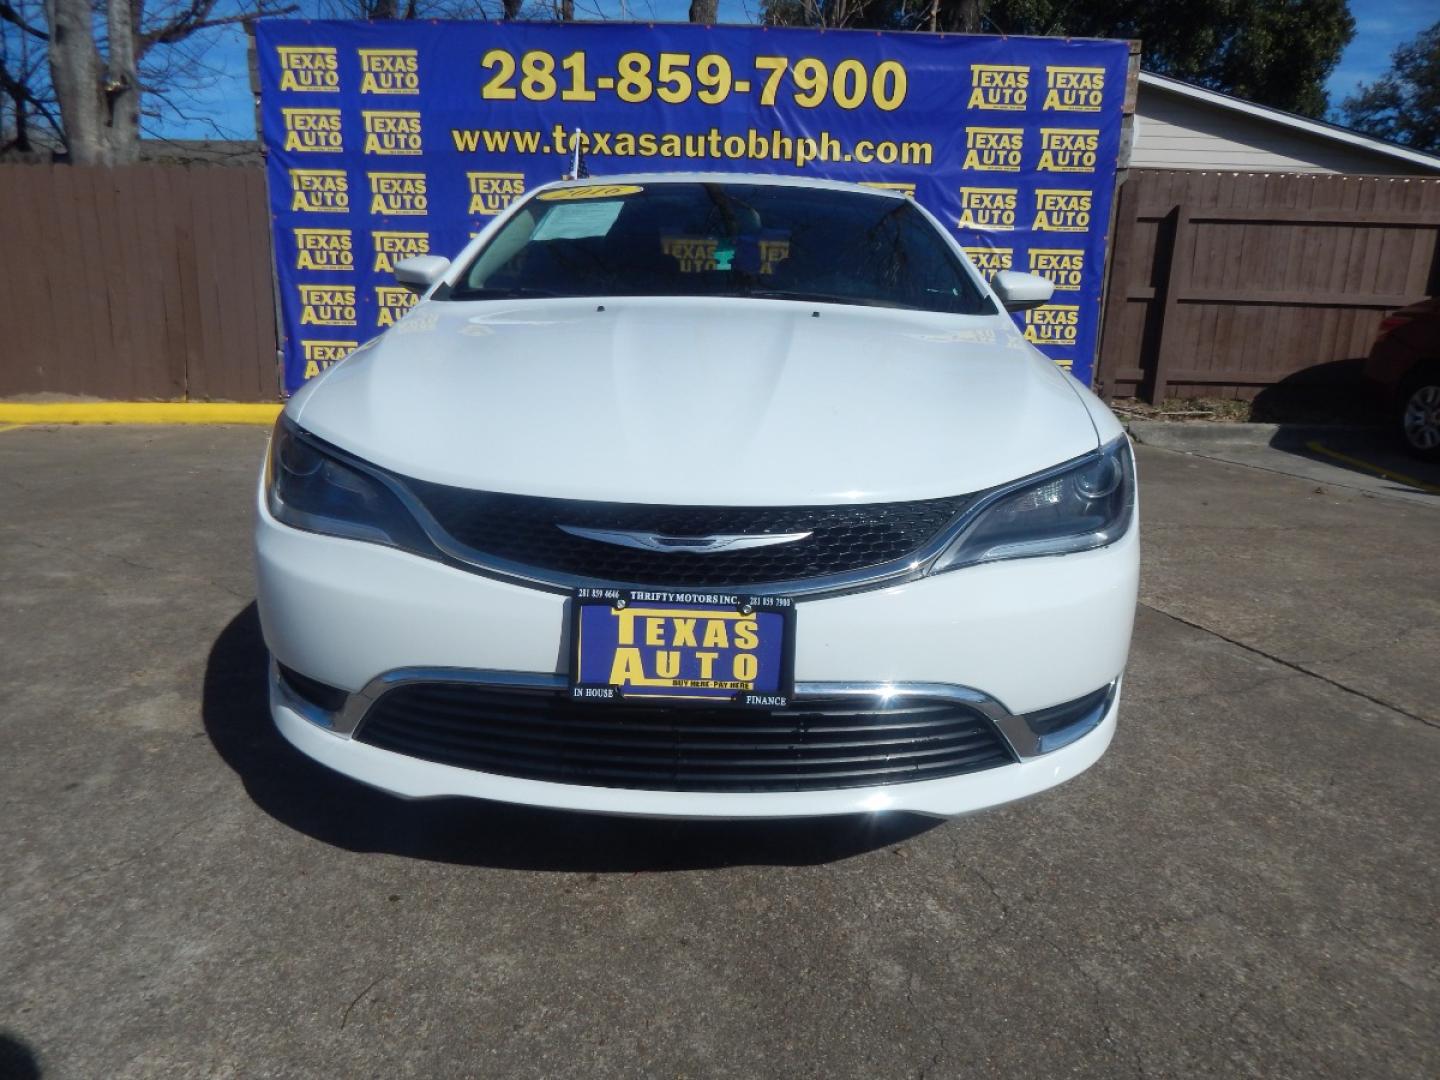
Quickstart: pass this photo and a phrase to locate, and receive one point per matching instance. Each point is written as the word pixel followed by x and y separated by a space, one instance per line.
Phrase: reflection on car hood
pixel 701 401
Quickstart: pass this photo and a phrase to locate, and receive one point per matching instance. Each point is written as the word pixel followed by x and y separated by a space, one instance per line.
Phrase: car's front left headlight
pixel 308 487
pixel 1086 506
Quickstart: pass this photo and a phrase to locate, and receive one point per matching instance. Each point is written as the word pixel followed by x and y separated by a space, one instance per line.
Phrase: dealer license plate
pixel 681 647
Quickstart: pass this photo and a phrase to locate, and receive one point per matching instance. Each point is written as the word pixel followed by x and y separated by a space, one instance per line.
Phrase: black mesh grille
pixel 524 529
pixel 818 745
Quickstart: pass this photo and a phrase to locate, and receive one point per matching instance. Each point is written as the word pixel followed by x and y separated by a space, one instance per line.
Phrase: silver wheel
pixel 1421 418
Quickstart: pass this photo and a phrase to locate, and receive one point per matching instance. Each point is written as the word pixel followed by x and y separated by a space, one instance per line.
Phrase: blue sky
pixel 225 103
pixel 1380 25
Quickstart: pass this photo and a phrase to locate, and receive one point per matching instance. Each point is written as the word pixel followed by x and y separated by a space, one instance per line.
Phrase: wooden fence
pixel 1224 283
pixel 154 282
pixel 138 283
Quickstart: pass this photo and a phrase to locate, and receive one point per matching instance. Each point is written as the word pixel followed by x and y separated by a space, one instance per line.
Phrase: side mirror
pixel 419 272
pixel 1016 291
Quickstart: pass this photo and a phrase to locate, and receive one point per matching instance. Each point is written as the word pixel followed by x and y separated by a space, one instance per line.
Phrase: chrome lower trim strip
pixel 308 709
pixel 348 719
pixel 1012 727
pixel 1027 744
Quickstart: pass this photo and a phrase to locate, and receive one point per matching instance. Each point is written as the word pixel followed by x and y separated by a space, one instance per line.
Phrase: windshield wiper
pixel 513 292
pixel 819 298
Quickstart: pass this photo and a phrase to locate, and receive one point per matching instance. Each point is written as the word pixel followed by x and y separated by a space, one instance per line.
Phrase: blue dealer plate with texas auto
pixel 678 647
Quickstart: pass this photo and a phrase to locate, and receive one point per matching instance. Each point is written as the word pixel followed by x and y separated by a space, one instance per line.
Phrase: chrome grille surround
pixel 540 534
pixel 1084 713
pixel 897 571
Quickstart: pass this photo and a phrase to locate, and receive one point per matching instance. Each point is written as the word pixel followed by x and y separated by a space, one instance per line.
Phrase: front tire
pixel 1419 414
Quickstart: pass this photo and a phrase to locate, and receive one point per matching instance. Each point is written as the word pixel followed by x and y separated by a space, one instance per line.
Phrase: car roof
pixel 767 179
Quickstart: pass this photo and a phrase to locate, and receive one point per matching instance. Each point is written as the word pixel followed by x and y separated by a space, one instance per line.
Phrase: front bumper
pixel 1020 636
pixel 412 778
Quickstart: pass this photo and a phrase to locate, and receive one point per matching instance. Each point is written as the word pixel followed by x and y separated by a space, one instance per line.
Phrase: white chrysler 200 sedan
pixel 701 496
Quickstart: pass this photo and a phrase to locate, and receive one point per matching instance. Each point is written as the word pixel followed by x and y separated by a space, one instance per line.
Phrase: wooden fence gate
pixel 1224 283
pixel 137 283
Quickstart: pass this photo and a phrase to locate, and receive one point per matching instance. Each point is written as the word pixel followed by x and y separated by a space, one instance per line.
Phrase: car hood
pixel 700 401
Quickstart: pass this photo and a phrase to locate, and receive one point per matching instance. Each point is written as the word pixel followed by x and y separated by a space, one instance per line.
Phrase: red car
pixel 1405 362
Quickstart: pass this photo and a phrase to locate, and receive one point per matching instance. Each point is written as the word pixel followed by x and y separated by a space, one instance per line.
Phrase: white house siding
pixel 1173 132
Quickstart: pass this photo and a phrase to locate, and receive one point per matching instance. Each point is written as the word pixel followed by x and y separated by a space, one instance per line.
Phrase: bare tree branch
pixel 184 23
pixel 219 130
pixel 21 95
pixel 10 15
pixel 14 88
pixel 196 16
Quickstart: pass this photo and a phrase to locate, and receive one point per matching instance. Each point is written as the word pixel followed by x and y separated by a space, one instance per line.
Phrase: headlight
pixel 313 490
pixel 1087 506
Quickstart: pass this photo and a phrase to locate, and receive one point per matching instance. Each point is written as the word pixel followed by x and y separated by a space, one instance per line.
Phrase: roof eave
pixel 1317 128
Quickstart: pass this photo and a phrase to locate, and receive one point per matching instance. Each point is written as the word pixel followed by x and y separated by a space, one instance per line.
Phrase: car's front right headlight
pixel 1088 505
pixel 312 489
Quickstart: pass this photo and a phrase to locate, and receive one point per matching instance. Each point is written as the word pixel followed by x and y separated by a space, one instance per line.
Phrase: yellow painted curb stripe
pixel 10 427
pixel 1383 473
pixel 137 412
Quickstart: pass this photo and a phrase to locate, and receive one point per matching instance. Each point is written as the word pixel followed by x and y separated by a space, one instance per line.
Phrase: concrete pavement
pixel 1364 459
pixel 1245 884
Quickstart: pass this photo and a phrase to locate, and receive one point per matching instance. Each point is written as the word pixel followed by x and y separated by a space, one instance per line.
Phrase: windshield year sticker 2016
pixel 596 191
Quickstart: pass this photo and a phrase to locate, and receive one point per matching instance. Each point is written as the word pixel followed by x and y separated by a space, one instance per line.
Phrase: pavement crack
pixel 1230 691
pixel 345 1019
pixel 118 863
pixel 133 564
pixel 1394 639
pixel 1004 904
pixel 1104 999
pixel 1293 666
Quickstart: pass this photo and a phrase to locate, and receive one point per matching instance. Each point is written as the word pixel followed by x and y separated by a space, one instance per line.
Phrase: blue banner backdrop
pixel 386 140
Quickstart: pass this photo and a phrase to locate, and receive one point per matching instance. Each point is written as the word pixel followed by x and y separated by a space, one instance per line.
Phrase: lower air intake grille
pixel 818 744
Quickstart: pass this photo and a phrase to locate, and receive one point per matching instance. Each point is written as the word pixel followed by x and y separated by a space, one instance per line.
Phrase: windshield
pixel 720 239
